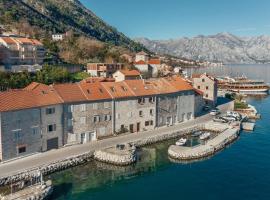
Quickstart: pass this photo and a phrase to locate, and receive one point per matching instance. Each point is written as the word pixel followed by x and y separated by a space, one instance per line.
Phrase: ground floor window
pixel 22 149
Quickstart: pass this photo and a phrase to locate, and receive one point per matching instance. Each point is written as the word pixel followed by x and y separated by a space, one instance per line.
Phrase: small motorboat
pixel 205 136
pixel 181 142
pixel 197 133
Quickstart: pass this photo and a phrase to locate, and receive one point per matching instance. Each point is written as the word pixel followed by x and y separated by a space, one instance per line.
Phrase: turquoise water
pixel 241 171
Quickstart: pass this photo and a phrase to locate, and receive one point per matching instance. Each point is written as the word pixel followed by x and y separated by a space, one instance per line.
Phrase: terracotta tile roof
pixel 207 75
pixel 130 72
pixel 162 86
pixel 33 96
pixel 70 92
pixel 118 89
pixel 36 42
pixel 93 90
pixel 141 87
pixel 178 83
pixel 8 40
pixel 23 40
pixel 154 62
pixel 141 62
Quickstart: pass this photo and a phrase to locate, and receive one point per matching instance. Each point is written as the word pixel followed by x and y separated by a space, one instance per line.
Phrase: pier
pixel 209 148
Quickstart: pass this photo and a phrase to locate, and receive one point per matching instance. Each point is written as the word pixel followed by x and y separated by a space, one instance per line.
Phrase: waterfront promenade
pixel 37 160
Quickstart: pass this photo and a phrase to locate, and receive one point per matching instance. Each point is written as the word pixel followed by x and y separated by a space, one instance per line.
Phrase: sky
pixel 169 19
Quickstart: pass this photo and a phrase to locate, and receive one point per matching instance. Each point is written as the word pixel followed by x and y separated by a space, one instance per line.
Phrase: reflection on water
pixel 251 71
pixel 95 174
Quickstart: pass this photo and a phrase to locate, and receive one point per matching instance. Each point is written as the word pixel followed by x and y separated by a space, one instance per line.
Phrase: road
pixel 40 159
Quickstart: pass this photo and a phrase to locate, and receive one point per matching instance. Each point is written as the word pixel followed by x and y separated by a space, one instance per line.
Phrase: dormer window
pixel 100 90
pixel 88 91
pixel 124 88
pixel 112 89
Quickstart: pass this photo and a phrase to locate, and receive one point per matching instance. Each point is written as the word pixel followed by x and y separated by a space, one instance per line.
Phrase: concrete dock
pixel 209 148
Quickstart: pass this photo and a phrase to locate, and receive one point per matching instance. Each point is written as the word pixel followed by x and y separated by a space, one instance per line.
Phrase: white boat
pixel 205 136
pixel 197 133
pixel 181 142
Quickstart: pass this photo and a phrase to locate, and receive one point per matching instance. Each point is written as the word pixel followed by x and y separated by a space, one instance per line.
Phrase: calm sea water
pixel 241 171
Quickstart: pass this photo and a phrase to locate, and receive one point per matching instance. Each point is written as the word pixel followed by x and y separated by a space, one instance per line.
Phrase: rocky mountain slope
pixel 59 16
pixel 222 47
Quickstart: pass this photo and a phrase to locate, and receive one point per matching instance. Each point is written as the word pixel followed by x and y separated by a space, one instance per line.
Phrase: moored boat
pixel 181 142
pixel 205 136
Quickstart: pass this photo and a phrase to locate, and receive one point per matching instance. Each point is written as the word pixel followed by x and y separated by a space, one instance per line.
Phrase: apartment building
pixel 208 86
pixel 40 117
pixel 21 53
pixel 105 70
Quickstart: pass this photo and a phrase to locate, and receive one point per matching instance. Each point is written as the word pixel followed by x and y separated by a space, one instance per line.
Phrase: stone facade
pixel 20 133
pixel 134 114
pixel 208 85
pixel 175 108
pixel 52 127
pixel 86 121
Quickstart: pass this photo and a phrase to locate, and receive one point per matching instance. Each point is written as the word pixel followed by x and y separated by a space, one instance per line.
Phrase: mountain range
pixel 60 16
pixel 222 47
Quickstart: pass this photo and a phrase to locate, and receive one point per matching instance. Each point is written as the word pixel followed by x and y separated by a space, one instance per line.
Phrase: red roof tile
pixel 8 40
pixel 118 89
pixel 141 62
pixel 154 62
pixel 130 72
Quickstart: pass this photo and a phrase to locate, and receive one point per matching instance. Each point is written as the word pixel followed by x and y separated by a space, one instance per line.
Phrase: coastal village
pixel 144 102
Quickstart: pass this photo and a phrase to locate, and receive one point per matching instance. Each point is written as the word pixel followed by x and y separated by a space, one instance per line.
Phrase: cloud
pixel 244 29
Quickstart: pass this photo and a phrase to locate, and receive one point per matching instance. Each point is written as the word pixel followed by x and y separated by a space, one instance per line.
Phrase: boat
pixel 205 136
pixel 243 85
pixel 197 133
pixel 181 142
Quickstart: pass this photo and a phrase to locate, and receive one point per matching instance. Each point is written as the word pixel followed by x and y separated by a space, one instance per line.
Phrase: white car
pixel 214 112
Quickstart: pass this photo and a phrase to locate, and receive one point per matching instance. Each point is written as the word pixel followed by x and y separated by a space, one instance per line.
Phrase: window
pixel 106 104
pixel 88 91
pixel 147 123
pixel 22 149
pixel 95 106
pixel 83 107
pixel 207 87
pixel 151 122
pixel 70 122
pixel 107 118
pixel 18 134
pixel 141 113
pixel 199 87
pixel 151 112
pixel 83 120
pixel 100 90
pixel 141 100
pixel 51 128
pixel 96 118
pixel 35 130
pixel 124 88
pixel 112 89
pixel 130 114
pixel 203 80
pixel 151 100
pixel 50 111
pixel 206 95
pixel 70 108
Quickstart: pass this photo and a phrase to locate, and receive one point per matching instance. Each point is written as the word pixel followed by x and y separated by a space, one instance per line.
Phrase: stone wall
pixel 17 130
pixel 51 119
pixel 127 112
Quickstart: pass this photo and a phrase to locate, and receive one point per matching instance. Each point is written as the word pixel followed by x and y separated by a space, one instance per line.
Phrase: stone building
pixel 175 101
pixel 105 70
pixel 208 85
pixel 142 56
pixel 87 111
pixel 40 117
pixel 122 75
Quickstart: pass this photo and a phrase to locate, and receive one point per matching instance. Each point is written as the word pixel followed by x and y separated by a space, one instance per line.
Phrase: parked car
pixel 214 112
pixel 230 118
pixel 220 119
pixel 234 114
